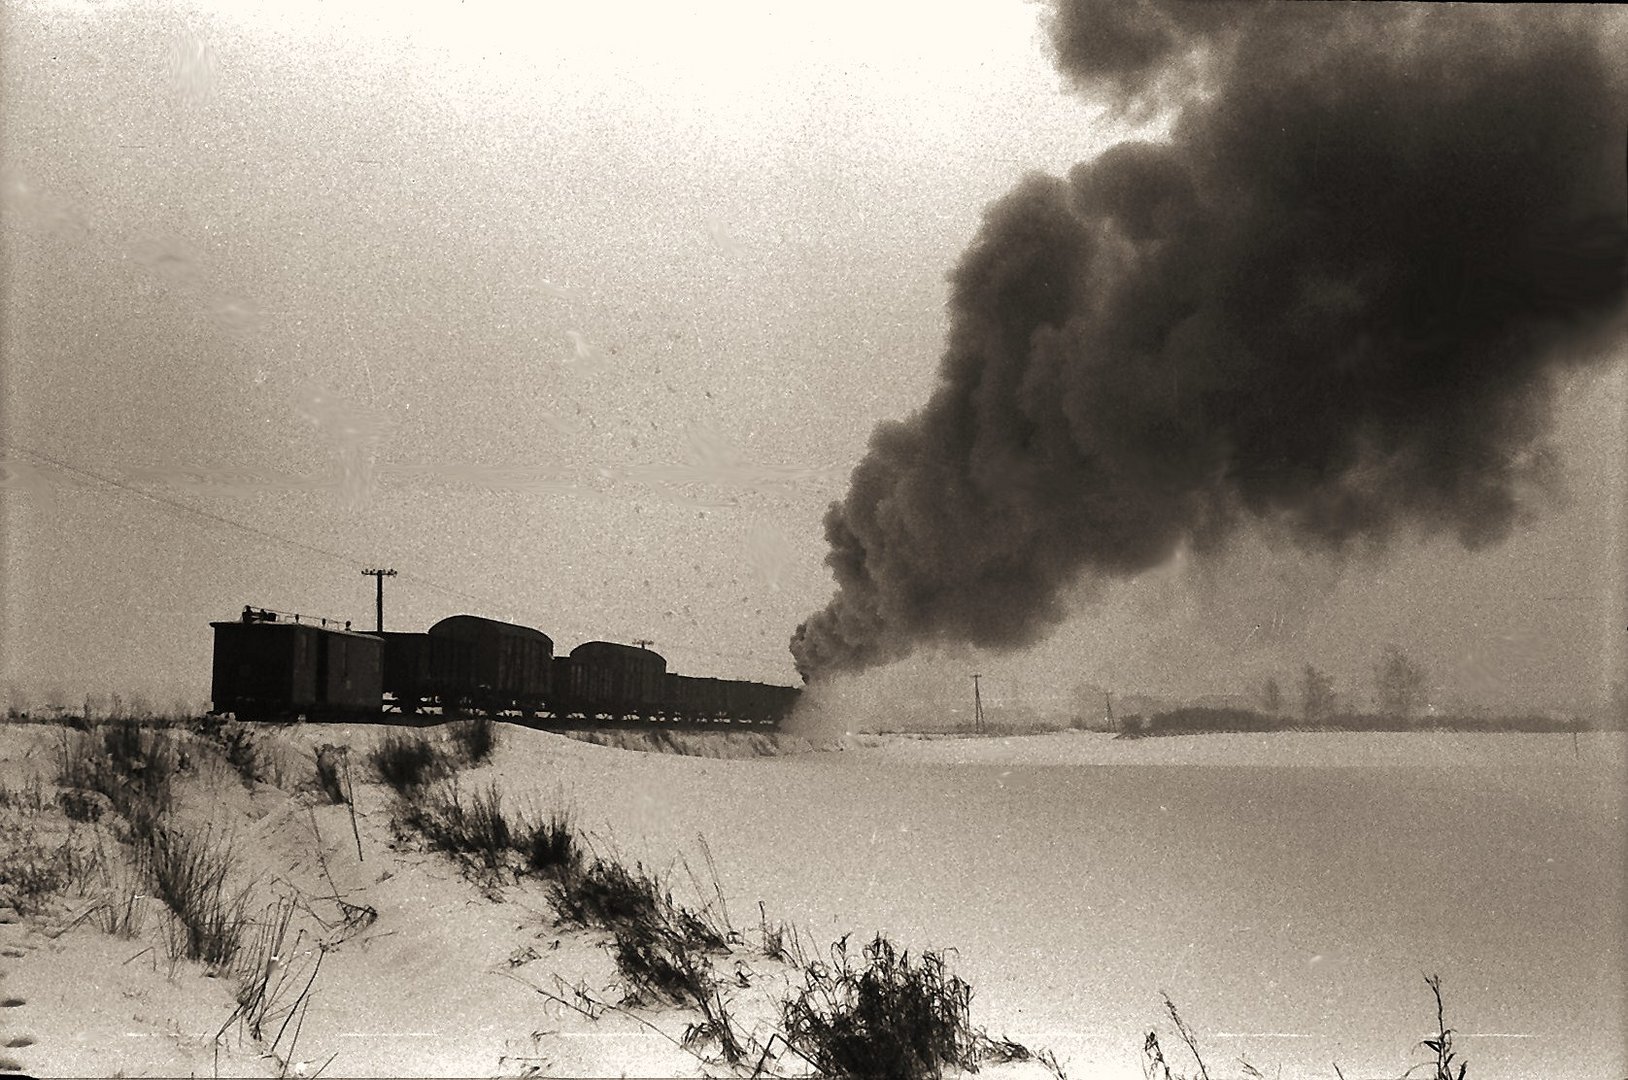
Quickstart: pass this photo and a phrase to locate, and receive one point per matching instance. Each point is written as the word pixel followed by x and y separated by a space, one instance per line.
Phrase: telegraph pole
pixel 379 576
pixel 977 706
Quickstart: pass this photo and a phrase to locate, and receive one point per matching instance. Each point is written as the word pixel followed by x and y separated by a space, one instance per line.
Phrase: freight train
pixel 269 665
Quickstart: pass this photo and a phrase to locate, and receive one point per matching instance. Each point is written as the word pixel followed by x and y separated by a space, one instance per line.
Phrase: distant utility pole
pixel 643 642
pixel 380 575
pixel 977 706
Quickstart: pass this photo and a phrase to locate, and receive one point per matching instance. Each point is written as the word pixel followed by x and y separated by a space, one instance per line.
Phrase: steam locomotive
pixel 270 665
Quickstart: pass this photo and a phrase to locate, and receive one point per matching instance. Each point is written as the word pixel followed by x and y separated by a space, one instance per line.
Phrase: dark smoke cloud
pixel 1333 304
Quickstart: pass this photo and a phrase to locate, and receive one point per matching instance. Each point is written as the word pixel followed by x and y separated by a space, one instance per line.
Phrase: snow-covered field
pixel 1289 891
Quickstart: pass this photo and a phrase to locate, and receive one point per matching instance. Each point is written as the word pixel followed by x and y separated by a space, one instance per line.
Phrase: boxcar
pixel 765 703
pixel 489 665
pixel 269 667
pixel 697 699
pixel 406 670
pixel 420 671
pixel 678 696
pixel 603 678
pixel 782 701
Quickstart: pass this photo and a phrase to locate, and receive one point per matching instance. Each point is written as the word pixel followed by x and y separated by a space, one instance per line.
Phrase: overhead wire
pixel 327 553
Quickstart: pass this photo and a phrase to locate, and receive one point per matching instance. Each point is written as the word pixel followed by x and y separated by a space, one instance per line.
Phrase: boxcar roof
pixel 317 626
pixel 617 649
pixel 457 625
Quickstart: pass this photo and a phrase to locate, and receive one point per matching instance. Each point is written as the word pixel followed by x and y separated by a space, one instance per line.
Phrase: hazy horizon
pixel 583 320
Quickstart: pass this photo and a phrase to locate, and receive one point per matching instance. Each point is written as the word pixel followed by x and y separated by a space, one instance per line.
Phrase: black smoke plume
pixel 1332 303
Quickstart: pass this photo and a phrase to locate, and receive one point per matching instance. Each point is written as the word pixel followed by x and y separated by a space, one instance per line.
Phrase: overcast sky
pixel 581 319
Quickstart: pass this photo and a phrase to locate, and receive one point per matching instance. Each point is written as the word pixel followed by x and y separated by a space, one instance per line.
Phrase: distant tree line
pixel 1197 719
pixel 1401 702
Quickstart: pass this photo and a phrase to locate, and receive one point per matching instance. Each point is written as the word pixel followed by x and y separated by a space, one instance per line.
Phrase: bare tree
pixel 1316 694
pixel 1400 684
pixel 1272 697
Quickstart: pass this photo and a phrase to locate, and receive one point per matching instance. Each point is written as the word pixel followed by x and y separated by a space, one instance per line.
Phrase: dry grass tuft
pixel 189 873
pixel 407 762
pixel 478 830
pixel 123 911
pixel 475 739
pixel 887 1017
pixel 1441 1044
pixel 781 941
pixel 242 747
pixel 32 874
pixel 330 763
pixel 133 766
pixel 1156 1067
pixel 605 892
pixel 550 845
pixel 659 965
